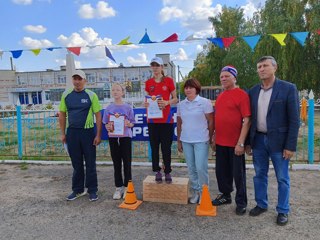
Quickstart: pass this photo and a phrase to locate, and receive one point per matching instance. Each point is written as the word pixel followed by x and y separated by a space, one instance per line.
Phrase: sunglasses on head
pixel 155 65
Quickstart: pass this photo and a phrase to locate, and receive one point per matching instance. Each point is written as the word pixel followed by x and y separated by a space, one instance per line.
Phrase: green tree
pixel 296 63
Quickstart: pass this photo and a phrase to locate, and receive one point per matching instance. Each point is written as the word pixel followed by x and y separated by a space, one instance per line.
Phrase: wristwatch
pixel 241 145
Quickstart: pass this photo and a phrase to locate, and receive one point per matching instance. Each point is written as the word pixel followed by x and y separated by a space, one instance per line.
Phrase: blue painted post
pixel 19 129
pixel 311 128
pixel 149 152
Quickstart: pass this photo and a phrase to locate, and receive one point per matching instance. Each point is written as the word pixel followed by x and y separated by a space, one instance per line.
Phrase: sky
pixel 93 24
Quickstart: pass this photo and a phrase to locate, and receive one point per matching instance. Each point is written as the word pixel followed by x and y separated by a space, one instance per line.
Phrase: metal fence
pixel 40 138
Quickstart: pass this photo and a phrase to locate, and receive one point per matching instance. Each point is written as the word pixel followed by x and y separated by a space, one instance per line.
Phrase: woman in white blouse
pixel 194 130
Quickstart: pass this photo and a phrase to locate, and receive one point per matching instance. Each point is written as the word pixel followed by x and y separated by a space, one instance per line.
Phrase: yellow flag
pixel 280 38
pixel 36 51
pixel 125 41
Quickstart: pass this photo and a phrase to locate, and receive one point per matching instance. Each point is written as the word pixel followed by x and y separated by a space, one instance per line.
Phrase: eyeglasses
pixel 155 65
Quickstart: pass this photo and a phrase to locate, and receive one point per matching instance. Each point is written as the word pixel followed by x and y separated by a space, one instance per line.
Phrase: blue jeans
pixel 196 155
pixel 261 155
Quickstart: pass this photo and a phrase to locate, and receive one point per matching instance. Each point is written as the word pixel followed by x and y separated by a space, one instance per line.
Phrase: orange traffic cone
pixel 205 208
pixel 130 201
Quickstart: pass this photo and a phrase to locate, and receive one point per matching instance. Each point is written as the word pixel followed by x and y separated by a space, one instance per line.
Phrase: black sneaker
pixel 240 210
pixel 221 199
pixel 93 197
pixel 282 219
pixel 256 211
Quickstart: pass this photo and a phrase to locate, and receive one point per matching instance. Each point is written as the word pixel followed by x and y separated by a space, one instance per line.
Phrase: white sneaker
pixel 195 197
pixel 118 193
pixel 124 192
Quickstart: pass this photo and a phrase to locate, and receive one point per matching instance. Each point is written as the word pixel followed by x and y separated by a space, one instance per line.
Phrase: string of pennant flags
pixel 252 42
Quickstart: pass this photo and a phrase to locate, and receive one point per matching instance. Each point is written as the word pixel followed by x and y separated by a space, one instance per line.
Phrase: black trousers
pixel 80 147
pixel 231 167
pixel 120 149
pixel 161 133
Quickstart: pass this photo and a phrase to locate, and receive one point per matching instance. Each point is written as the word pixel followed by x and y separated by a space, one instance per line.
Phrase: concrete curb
pixel 311 167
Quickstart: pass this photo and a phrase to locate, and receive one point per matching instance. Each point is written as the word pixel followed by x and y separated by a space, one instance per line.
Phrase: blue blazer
pixel 283 119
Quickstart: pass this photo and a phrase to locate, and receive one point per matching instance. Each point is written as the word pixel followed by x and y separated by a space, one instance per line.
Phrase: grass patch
pixel 24 166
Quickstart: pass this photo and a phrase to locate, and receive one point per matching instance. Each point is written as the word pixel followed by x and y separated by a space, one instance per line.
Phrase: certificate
pixel 153 111
pixel 66 148
pixel 117 122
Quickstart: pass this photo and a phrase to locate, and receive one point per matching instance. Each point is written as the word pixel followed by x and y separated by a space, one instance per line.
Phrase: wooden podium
pixel 175 192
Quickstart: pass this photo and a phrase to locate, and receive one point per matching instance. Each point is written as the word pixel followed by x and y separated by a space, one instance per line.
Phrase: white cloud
pixel 35 29
pixel 75 40
pixel 180 55
pixel 35 43
pixel 199 48
pixel 257 3
pixel 192 15
pixel 93 45
pixel 168 13
pixel 111 63
pixel 139 61
pixel 102 10
pixel 86 37
pixel 22 2
pixel 249 9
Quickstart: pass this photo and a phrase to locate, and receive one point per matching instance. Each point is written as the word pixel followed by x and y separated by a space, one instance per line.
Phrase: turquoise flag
pixel 252 41
pixel 300 37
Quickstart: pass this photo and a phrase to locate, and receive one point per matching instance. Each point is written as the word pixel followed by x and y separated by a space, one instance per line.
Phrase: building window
pixel 21 80
pixel 47 94
pixel 61 79
pixel 55 94
pixel 34 79
pixel 145 75
pixel 91 77
pixel 24 98
pixel 36 97
pixel 104 77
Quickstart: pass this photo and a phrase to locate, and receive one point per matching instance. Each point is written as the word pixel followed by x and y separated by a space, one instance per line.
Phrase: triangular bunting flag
pixel 228 41
pixel 53 48
pixel 36 51
pixel 216 41
pixel 280 38
pixel 145 38
pixel 108 54
pixel 1 53
pixel 172 38
pixel 300 37
pixel 125 41
pixel 252 41
pixel 16 53
pixel 75 50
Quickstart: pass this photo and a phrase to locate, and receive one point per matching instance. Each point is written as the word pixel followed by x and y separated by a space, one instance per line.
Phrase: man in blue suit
pixel 273 134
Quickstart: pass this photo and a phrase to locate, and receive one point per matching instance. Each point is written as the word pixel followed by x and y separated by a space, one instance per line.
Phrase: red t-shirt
pixel 230 108
pixel 163 88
